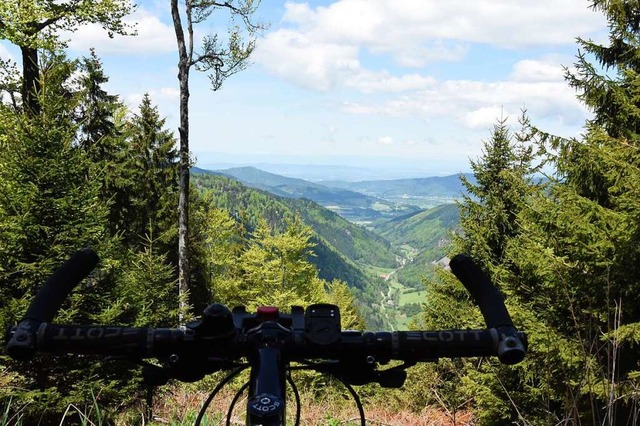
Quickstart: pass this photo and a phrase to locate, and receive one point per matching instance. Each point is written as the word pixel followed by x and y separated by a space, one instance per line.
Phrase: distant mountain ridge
pixel 361 201
pixel 352 205
pixel 434 186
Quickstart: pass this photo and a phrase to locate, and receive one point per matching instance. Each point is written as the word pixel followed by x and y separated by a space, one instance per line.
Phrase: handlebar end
pixel 511 351
pixel 21 340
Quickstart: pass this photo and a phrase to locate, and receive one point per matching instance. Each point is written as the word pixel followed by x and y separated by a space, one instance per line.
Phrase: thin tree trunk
pixel 30 80
pixel 183 204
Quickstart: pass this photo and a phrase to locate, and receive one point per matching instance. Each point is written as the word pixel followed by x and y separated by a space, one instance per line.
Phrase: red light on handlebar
pixel 268 313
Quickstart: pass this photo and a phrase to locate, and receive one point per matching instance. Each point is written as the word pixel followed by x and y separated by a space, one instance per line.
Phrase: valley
pixel 364 234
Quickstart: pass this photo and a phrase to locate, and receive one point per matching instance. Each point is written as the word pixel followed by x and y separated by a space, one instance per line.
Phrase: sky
pixel 396 85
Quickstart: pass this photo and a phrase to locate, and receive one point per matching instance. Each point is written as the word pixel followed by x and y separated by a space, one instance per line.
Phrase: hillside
pixel 351 205
pixel 341 246
pixel 423 238
pixel 355 242
pixel 420 230
pixel 389 292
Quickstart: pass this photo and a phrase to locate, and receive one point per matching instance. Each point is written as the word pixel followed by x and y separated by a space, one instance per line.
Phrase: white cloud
pixel 321 48
pixel 534 71
pixel 385 140
pixel 477 104
pixel 315 65
pixel 133 100
pixel 369 82
pixel 158 96
pixel 325 66
pixel 153 36
pixel 483 117
pixel 169 93
pixel 390 25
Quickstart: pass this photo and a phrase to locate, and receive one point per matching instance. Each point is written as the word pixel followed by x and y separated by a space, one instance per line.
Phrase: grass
pixel 323 404
pixel 331 410
pixel 413 297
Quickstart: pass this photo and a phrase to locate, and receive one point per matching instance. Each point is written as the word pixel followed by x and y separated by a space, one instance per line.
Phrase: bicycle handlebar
pixel 482 291
pixel 51 296
pixel 220 338
pixel 147 342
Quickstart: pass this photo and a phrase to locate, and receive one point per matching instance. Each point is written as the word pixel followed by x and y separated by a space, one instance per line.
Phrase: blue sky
pixel 411 84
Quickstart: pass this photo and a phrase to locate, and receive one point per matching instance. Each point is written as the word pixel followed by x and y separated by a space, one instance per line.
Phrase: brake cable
pixel 217 390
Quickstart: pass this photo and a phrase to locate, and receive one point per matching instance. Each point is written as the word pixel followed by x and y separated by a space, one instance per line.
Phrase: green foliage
pixel 217 58
pixel 355 242
pixel 489 221
pixel 36 24
pixel 425 235
pixel 148 190
pixel 566 254
pixel 247 205
pixel 50 208
pixel 503 181
pixel 148 290
pixel 274 270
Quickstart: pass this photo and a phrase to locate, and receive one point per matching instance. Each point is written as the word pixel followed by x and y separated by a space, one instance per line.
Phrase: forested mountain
pixel 423 238
pixel 340 245
pixel 420 230
pixel 351 205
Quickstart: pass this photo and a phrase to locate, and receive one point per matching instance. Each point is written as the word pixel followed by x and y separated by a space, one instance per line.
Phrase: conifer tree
pixel 490 222
pixel 503 178
pixel 152 162
pixel 97 110
pixel 579 258
pixel 102 135
pixel 49 208
pixel 147 290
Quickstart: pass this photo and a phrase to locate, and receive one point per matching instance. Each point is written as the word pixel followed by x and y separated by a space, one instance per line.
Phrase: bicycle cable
pixel 217 390
pixel 233 402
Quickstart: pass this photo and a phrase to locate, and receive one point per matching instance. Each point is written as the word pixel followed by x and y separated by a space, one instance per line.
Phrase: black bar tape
pixel 50 297
pixel 99 339
pixel 418 345
pixel 482 291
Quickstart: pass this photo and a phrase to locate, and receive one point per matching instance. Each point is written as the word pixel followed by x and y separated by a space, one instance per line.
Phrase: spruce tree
pixel 503 179
pixel 50 208
pixel 102 136
pixel 151 183
pixel 489 220
pixel 585 232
